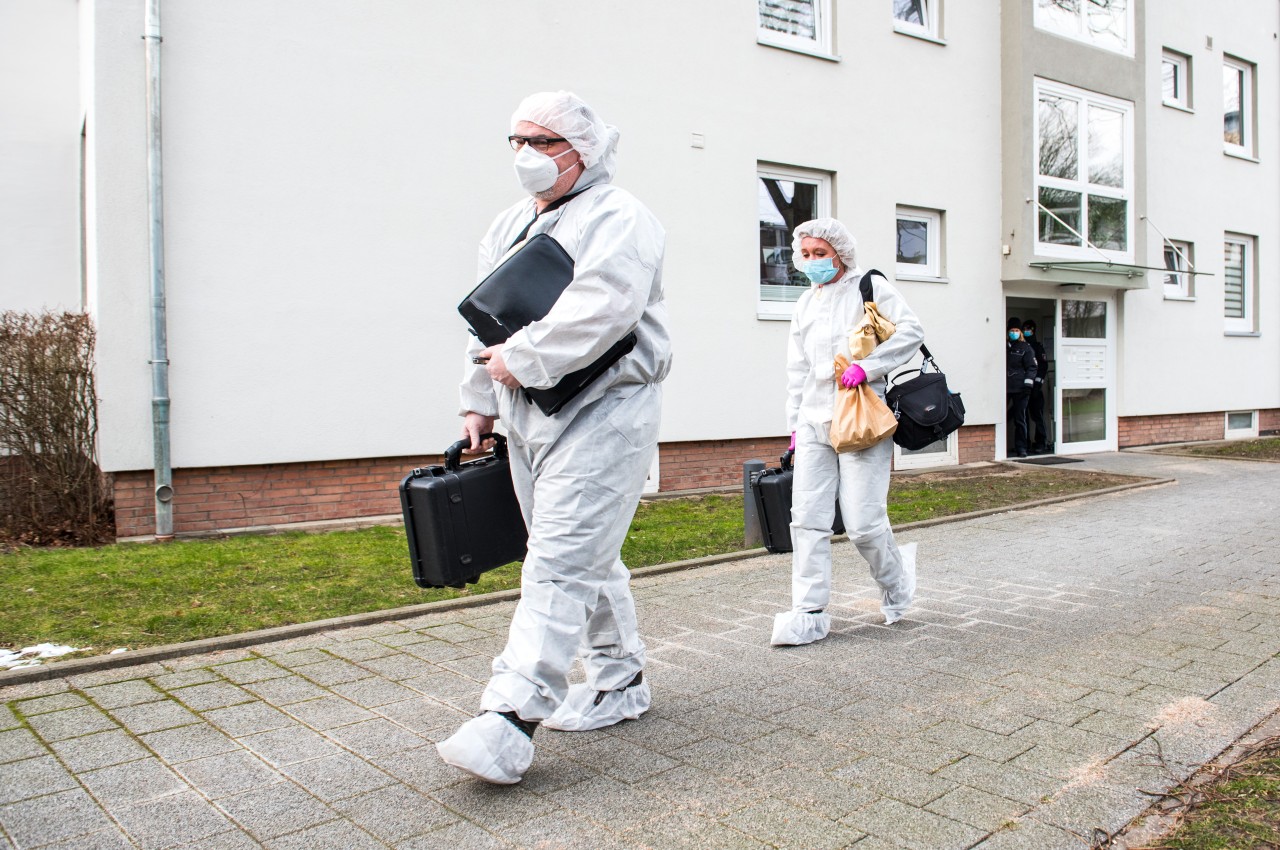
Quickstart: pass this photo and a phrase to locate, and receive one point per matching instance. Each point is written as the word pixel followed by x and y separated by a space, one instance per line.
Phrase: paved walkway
pixel 1060 660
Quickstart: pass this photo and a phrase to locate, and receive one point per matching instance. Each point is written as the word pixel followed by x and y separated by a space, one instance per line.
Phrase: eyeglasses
pixel 541 144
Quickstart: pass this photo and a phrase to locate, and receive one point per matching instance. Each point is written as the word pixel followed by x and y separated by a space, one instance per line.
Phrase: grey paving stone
pixel 302 658
pixel 233 840
pixel 43 705
pixel 895 781
pixel 44 820
pixel 782 825
pixel 212 695
pixel 328 712
pixel 289 746
pixel 240 720
pixel 130 783
pixel 286 690
pixel 399 666
pixel 82 681
pixel 724 759
pixel 188 742
pixel 491 806
pixel 276 810
pixel 334 835
pixel 1028 833
pixel 132 692
pixel 173 820
pixel 424 715
pixel 438 651
pixel 254 670
pixel 70 723
pixel 183 678
pixel 100 750
pixel 813 790
pixel 913 827
pixel 110 838
pixel 373 692
pixel 455 633
pixel 32 778
pixel 333 672
pixel 422 769
pixel 338 777
pixel 31 690
pixel 8 720
pixel 459 835
pixel 375 738
pixel 19 744
pixel 360 650
pixel 395 813
pixel 228 774
pixel 1050 761
pixel 153 716
pixel 977 808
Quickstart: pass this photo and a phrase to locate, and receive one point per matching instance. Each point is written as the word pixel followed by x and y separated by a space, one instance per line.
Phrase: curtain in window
pixel 910 11
pixel 1233 280
pixel 793 17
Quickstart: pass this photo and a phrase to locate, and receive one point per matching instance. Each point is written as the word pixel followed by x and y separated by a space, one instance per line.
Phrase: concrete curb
pixel 63 669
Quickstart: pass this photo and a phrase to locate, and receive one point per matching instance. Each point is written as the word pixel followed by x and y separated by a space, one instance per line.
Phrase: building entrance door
pixel 1085 365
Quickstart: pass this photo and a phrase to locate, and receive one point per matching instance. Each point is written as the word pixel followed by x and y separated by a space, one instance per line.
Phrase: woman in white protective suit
pixel 579 473
pixel 826 252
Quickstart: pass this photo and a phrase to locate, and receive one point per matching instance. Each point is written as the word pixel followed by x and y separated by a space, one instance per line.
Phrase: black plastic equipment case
pixel 462 519
pixel 771 489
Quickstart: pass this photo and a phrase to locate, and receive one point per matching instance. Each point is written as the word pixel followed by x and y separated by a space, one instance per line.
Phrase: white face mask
pixel 537 172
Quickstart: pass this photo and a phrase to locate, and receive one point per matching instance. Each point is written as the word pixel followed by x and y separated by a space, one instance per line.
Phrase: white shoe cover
pixel 579 712
pixel 490 747
pixel 893 614
pixel 793 628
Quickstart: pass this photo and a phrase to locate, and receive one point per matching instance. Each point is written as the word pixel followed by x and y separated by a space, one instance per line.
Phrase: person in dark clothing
pixel 1035 399
pixel 1020 377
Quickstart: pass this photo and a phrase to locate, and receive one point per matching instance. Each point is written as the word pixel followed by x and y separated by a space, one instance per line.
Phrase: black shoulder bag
pixel 926 409
pixel 523 289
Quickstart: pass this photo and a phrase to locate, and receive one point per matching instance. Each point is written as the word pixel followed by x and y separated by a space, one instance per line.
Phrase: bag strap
pixel 864 287
pixel 554 205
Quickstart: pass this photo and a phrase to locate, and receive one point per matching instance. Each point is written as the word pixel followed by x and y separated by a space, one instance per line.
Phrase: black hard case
pixel 771 489
pixel 462 519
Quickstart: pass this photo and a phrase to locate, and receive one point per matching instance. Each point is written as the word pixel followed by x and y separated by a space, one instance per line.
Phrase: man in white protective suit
pixel 825 316
pixel 579 473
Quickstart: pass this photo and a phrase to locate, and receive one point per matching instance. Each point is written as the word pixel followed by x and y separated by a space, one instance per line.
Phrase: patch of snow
pixel 32 656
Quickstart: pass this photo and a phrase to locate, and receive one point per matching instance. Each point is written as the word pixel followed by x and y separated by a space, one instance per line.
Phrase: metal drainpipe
pixel 159 336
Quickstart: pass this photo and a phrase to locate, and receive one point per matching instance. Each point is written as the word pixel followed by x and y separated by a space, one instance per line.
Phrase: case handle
pixel 453 454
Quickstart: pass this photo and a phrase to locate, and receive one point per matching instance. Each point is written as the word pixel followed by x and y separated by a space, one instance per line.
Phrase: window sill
pixel 1178 106
pixel 901 29
pixel 922 278
pixel 795 48
pixel 1243 333
pixel 1247 157
pixel 1190 298
pixel 772 317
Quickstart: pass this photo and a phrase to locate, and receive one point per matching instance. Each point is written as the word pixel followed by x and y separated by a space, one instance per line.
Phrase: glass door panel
pixel 1085 376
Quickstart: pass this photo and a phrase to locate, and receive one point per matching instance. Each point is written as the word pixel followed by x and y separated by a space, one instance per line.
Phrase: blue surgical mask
pixel 819 271
pixel 1028 333
pixel 1013 336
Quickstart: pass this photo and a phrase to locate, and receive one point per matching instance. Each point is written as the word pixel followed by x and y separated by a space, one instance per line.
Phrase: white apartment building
pixel 1110 169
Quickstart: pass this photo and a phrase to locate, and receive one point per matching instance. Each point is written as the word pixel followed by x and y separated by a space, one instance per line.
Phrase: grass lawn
pixel 1265 448
pixel 1238 810
pixel 142 594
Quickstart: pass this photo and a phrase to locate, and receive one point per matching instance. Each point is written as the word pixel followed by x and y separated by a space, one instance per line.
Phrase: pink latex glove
pixel 852 376
pixel 792 447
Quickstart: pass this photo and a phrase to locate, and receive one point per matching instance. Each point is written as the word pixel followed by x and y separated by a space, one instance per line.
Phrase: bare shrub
pixel 51 489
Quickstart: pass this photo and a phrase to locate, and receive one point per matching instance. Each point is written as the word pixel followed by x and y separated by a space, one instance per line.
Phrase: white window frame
pixel 1085 98
pixel 1246 324
pixel 783 310
pixel 903 459
pixel 1228 433
pixel 653 481
pixel 821 45
pixel 932 270
pixel 1080 31
pixel 1247 146
pixel 1183 288
pixel 929 29
pixel 1181 63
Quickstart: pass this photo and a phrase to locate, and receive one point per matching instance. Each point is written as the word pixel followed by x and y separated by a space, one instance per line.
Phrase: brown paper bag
pixel 860 419
pixel 870 332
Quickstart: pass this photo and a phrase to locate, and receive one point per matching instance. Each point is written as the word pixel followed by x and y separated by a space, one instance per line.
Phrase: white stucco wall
pixel 39 156
pixel 1175 355
pixel 329 170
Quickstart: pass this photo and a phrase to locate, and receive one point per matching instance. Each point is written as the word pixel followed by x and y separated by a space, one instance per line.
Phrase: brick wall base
pixel 213 498
pixel 1186 427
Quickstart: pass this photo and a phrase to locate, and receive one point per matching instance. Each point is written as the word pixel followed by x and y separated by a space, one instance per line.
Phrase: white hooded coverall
pixel 579 473
pixel 820 327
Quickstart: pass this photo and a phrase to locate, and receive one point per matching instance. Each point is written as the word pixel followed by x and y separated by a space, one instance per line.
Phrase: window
pixel 1179 261
pixel 1241 425
pixel 1175 79
pixel 786 197
pixel 1237 107
pixel 1237 281
pixel 916 17
pixel 803 25
pixel 1101 23
pixel 919 243
pixel 939 453
pixel 1084 173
